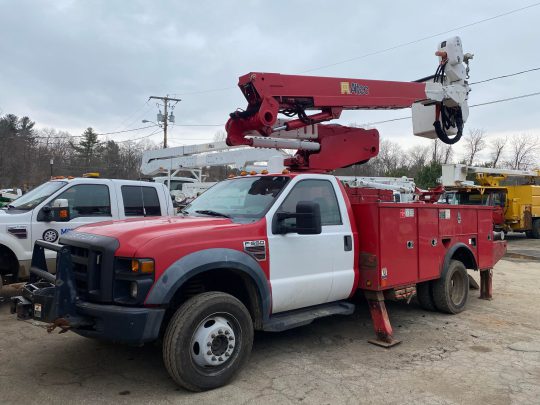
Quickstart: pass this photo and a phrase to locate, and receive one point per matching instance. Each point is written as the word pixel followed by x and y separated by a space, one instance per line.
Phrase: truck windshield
pixel 35 197
pixel 246 198
pixel 472 198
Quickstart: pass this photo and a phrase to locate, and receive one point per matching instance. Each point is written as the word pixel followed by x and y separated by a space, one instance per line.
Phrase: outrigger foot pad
pixel 381 322
pixel 385 343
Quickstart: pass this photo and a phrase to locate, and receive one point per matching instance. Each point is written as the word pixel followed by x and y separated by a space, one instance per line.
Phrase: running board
pixel 301 317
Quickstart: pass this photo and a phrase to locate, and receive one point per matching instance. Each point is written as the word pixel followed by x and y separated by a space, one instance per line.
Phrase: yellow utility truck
pixel 514 194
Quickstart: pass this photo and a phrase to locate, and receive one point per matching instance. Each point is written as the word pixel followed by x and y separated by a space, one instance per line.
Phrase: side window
pixel 140 201
pixel 498 199
pixel 88 200
pixel 319 191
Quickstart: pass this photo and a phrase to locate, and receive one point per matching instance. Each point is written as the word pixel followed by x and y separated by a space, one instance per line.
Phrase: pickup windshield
pixel 35 197
pixel 246 198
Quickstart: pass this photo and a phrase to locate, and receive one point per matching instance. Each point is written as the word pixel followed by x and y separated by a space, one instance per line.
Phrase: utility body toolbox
pixel 403 244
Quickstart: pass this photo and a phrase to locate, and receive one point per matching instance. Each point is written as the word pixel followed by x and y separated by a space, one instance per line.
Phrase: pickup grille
pixel 87 271
pixel 92 264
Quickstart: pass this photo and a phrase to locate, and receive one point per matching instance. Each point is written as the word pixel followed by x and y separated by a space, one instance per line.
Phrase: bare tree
pixel 220 136
pixel 497 149
pixel 437 151
pixel 390 158
pixel 474 143
pixel 523 152
pixel 447 152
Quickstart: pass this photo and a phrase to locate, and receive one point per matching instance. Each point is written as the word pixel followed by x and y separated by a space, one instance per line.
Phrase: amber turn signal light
pixel 142 266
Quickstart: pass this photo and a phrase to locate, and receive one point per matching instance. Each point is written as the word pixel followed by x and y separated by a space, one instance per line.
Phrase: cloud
pixel 70 65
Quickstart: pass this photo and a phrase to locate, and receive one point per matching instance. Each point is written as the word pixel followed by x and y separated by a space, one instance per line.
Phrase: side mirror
pixel 308 220
pixel 60 210
pixel 45 214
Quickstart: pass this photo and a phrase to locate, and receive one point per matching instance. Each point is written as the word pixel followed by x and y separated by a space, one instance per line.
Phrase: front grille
pixel 86 271
pixel 92 264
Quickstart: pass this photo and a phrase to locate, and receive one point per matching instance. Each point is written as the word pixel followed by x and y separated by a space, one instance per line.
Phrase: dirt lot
pixel 488 354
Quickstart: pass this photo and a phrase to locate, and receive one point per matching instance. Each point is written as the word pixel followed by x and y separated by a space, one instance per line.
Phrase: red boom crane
pixel 439 106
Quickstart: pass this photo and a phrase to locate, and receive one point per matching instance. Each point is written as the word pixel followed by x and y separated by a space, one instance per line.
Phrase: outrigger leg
pixel 381 322
pixel 486 284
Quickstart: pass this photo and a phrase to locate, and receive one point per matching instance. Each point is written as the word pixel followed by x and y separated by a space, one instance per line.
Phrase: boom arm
pixel 271 94
pixel 201 155
pixel 456 175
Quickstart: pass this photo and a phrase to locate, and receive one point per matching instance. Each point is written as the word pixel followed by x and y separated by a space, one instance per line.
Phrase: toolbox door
pixel 430 248
pixel 399 246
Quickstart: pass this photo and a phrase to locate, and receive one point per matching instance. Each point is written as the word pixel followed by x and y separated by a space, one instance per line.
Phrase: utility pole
pixel 166 117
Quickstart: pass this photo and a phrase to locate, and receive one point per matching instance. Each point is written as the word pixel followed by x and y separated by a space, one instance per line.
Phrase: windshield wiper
pixel 212 213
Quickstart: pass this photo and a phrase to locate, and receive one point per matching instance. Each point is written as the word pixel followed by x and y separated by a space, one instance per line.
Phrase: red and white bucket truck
pixel 271 251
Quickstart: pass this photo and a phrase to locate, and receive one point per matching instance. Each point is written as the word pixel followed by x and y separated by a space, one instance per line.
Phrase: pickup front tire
pixel 208 340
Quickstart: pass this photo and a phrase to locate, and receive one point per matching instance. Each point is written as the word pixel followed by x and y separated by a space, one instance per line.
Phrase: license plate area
pixel 39 299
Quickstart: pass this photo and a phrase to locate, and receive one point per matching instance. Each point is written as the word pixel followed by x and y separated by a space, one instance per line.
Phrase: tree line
pixel 518 151
pixel 26 154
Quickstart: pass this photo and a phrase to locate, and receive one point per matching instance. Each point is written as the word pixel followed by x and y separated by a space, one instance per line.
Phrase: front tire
pixel 451 291
pixel 207 341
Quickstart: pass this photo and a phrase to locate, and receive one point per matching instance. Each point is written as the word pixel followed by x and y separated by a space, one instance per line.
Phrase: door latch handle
pixel 347 243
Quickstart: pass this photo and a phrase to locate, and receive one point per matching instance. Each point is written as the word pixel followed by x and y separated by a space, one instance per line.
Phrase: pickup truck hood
pixel 13 216
pixel 134 233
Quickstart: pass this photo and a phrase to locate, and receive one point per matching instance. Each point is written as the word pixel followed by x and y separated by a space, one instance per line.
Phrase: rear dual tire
pixel 424 295
pixel 451 291
pixel 447 294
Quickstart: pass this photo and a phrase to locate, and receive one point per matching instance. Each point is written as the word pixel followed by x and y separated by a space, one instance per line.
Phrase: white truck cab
pixel 59 206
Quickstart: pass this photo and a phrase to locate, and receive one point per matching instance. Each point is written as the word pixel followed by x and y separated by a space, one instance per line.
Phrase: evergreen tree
pixel 88 149
pixel 428 175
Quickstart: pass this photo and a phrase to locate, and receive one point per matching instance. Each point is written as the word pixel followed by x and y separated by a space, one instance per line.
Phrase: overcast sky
pixel 73 64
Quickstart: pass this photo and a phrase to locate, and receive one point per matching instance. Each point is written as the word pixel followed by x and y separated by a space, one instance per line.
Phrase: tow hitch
pixel 34 299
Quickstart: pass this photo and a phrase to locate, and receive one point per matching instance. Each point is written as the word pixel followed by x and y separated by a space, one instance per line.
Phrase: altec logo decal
pixel 354 88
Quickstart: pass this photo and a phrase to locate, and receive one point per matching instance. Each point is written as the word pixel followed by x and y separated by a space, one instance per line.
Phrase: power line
pixel 502 100
pixel 199 125
pixel 421 39
pixel 102 134
pixel 137 115
pixel 203 91
pixel 506 99
pixel 142 137
pixel 121 132
pixel 505 76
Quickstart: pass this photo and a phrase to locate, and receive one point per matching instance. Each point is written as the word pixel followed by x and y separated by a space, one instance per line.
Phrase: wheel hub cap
pixel 213 342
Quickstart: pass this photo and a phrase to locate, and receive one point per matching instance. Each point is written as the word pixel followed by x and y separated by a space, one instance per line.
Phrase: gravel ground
pixel 487 354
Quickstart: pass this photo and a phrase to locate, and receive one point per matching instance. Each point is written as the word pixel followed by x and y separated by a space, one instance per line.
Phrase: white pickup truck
pixel 82 201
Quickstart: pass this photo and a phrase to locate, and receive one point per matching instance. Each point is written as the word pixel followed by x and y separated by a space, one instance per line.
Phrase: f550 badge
pixel 256 249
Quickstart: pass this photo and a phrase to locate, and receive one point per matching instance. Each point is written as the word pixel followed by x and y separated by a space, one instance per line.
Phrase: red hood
pixel 134 233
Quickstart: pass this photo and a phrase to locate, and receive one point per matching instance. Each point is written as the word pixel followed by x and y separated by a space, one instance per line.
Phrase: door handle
pixel 347 243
